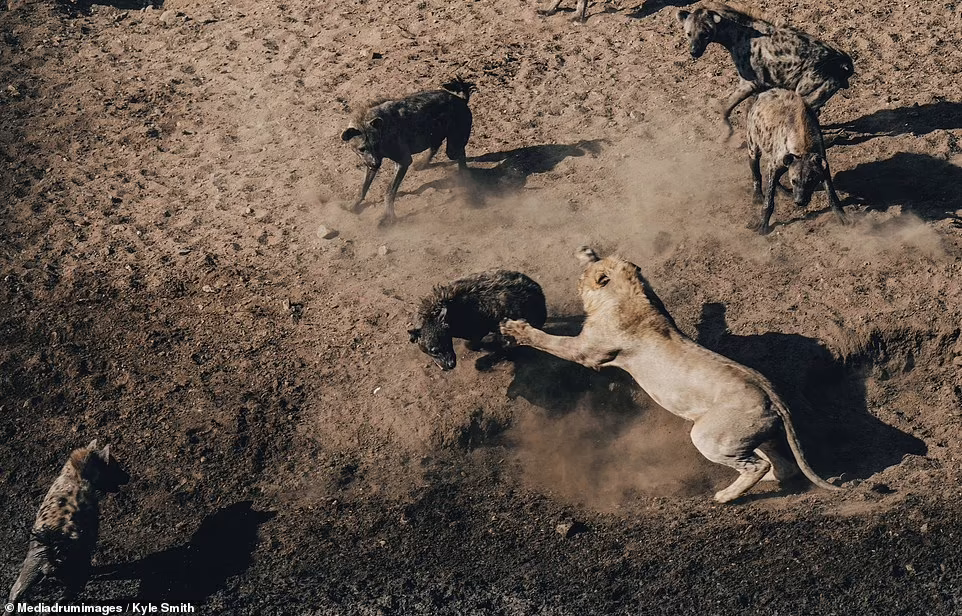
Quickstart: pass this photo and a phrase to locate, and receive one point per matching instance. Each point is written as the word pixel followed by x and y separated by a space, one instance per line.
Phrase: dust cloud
pixel 600 460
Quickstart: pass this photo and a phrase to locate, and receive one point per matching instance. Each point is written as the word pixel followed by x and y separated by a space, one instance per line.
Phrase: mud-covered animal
pixel 783 130
pixel 739 420
pixel 397 129
pixel 581 9
pixel 767 56
pixel 64 534
pixel 472 308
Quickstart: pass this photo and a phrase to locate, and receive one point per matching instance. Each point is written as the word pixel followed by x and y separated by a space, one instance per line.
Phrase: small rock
pixel 882 488
pixel 209 289
pixel 382 250
pixel 569 528
pixel 325 233
pixel 183 251
pixel 168 18
pixel 249 211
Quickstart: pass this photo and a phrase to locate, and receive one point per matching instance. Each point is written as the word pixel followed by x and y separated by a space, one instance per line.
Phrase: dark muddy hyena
pixel 64 534
pixel 767 56
pixel 396 129
pixel 472 308
pixel 786 132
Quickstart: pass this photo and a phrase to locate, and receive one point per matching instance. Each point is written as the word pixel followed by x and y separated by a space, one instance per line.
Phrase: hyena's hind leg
pixel 33 570
pixel 754 163
pixel 426 161
pixel 552 9
pixel 581 11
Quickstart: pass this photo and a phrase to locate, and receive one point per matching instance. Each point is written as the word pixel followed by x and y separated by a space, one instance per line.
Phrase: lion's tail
pixel 793 442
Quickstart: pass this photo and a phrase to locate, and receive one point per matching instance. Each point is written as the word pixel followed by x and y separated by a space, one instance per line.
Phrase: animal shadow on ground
pixel 82 7
pixel 650 7
pixel 561 387
pixel 925 185
pixel 826 398
pixel 513 169
pixel 915 120
pixel 221 547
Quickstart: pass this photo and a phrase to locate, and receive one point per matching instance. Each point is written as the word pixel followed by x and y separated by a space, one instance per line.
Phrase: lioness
pixel 738 417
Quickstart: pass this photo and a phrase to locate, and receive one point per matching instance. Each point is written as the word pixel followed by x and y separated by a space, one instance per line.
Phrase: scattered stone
pixel 882 488
pixel 168 18
pixel 209 289
pixel 569 527
pixel 382 251
pixel 326 234
pixel 183 251
pixel 249 211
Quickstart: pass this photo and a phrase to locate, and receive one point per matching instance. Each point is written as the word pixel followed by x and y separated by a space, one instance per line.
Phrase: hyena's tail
pixel 459 87
pixel 30 573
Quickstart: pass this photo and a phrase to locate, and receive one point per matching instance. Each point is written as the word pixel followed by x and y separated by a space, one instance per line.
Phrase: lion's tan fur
pixel 738 418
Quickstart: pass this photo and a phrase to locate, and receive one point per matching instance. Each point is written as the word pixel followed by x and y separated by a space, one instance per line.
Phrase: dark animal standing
pixel 396 129
pixel 64 534
pixel 767 56
pixel 472 308
pixel 783 129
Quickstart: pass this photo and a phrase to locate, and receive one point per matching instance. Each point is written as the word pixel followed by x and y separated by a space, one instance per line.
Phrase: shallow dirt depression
pixel 165 170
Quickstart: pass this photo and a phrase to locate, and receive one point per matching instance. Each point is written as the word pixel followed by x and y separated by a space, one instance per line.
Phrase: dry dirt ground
pixel 164 172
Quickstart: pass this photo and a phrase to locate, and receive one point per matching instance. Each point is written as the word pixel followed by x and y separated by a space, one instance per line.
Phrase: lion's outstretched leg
pixel 577 349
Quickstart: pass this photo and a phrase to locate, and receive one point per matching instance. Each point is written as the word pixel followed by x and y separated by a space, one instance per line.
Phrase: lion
pixel 738 418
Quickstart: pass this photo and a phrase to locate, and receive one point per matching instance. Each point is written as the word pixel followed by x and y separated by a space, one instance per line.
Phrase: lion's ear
pixel 601 279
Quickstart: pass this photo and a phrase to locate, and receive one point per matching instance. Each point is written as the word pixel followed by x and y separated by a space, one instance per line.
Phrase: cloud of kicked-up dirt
pixel 600 460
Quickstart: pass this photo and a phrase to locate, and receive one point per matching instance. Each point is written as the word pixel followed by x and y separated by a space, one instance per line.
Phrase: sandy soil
pixel 164 173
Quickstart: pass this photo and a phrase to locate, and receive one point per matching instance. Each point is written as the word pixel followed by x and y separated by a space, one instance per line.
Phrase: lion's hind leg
pixel 783 467
pixel 743 458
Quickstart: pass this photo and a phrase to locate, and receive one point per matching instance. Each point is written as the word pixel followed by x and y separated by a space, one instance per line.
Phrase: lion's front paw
pixel 516 331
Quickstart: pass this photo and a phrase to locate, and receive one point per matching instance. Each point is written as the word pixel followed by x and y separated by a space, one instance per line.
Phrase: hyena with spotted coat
pixel 65 532
pixel 783 129
pixel 397 129
pixel 767 56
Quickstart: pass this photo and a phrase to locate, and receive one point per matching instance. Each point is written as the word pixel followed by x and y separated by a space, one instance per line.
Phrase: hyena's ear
pixel 715 17
pixel 349 134
pixel 415 334
pixel 682 15
pixel 93 445
pixel 105 454
pixel 586 255
pixel 375 123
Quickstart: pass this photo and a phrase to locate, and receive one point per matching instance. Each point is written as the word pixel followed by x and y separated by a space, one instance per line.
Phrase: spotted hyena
pixel 767 56
pixel 396 129
pixel 785 131
pixel 64 534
